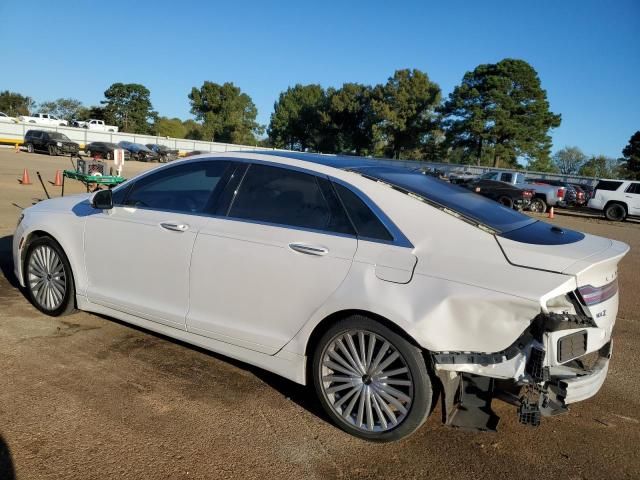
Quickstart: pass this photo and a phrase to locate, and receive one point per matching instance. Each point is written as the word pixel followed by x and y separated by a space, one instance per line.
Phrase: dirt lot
pixel 87 397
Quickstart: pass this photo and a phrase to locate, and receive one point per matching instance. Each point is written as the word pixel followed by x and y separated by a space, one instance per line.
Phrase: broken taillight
pixel 527 193
pixel 592 295
pixel 561 193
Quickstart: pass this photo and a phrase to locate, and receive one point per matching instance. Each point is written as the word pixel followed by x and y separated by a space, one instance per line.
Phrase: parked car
pixel 195 152
pixel 139 152
pixel 617 199
pixel 587 189
pixel 544 195
pixel 166 154
pixel 459 178
pixel 53 142
pixel 431 171
pixel 383 288
pixel 504 193
pixel 44 119
pixel 93 124
pixel 572 195
pixel 6 118
pixel 104 150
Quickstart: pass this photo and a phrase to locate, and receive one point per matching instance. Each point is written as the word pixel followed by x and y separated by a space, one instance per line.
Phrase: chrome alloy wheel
pixel 46 277
pixel 366 381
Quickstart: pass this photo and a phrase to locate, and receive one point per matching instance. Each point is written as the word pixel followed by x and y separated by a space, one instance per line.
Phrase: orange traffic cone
pixel 25 178
pixel 58 181
pixel 551 212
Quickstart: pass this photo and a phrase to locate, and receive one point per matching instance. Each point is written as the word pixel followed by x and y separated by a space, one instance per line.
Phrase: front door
pixel 138 254
pixel 259 274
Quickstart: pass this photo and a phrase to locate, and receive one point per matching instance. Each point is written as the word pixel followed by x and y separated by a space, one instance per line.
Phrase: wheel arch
pixel 618 202
pixel 40 233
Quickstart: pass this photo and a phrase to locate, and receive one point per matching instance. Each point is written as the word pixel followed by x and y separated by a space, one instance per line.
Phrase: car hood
pixel 547 247
pixel 69 203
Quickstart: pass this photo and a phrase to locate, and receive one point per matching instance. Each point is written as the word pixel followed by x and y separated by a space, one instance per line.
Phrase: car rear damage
pixel 560 359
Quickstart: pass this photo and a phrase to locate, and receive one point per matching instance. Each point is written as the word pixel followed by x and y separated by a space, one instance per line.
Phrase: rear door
pixel 260 269
pixel 632 196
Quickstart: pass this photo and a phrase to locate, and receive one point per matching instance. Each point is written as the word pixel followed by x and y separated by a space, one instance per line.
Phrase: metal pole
pixel 42 183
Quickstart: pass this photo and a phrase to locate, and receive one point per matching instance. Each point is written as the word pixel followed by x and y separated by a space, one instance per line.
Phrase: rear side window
pixel 633 188
pixel 608 185
pixel 288 197
pixel 366 222
pixel 185 188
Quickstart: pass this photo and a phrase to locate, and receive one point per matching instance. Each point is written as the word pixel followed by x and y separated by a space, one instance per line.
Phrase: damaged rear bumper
pixel 559 360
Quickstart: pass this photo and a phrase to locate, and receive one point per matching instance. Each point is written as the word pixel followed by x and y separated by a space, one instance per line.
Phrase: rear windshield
pixel 608 185
pixel 458 199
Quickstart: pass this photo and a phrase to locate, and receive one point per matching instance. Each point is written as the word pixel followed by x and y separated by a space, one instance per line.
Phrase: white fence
pixel 10 132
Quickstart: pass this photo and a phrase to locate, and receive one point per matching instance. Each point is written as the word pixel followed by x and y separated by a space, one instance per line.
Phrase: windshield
pixel 460 200
pixel 58 136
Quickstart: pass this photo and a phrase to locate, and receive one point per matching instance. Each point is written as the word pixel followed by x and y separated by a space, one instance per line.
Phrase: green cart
pixel 109 180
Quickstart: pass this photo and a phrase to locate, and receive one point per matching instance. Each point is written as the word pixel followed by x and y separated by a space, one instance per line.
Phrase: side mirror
pixel 102 200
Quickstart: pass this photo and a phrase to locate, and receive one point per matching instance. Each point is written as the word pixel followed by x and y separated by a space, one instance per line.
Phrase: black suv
pixel 53 142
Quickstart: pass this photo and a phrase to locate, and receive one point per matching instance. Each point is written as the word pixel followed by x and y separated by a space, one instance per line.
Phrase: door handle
pixel 308 249
pixel 175 227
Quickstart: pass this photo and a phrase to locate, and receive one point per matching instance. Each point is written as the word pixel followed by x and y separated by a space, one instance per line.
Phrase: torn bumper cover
pixel 559 360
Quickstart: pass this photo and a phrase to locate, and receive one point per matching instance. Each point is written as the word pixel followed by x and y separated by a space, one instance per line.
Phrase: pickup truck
pixel 93 124
pixel 44 119
pixel 544 195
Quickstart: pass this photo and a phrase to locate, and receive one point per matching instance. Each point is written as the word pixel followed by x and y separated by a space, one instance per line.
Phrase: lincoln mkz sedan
pixel 385 289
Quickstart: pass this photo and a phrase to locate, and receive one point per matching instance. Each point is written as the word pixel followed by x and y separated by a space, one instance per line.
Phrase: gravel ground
pixel 88 397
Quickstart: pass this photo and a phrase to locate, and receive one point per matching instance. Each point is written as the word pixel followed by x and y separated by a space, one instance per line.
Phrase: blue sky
pixel 586 52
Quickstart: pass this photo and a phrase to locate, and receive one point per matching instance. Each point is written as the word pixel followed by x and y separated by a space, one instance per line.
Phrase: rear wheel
pixel 30 148
pixel 109 156
pixel 372 382
pixel 615 212
pixel 48 277
pixel 53 151
pixel 538 205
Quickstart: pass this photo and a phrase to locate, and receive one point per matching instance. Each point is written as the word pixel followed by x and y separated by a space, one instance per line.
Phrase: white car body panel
pixel 454 289
pixel 260 269
pixel 43 119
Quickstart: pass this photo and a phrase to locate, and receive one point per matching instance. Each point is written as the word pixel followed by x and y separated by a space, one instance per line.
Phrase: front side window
pixel 185 188
pixel 287 197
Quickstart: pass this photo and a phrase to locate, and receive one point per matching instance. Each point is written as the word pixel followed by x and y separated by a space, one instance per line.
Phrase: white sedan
pixel 383 288
pixel 6 118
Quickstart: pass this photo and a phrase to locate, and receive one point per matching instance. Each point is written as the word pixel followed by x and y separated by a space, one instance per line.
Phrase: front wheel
pixel 53 151
pixel 30 148
pixel 48 278
pixel 372 382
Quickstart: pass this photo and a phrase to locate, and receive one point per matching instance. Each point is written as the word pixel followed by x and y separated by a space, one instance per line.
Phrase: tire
pixel 30 148
pixel 46 262
pixel 53 151
pixel 345 401
pixel 506 201
pixel 616 212
pixel 109 156
pixel 538 205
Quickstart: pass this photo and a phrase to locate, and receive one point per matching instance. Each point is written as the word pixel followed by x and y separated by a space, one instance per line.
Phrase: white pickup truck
pixel 44 119
pixel 93 124
pixel 545 195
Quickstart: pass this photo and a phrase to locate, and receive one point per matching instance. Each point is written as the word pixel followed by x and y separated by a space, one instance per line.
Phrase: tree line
pixel 499 116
